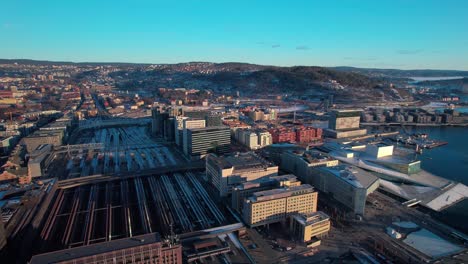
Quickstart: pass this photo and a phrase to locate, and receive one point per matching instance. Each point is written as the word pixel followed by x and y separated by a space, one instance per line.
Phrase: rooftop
pixel 311 218
pixel 267 181
pixel 208 129
pixel 280 193
pixel 95 249
pixel 352 175
pixel 241 161
pixel 312 157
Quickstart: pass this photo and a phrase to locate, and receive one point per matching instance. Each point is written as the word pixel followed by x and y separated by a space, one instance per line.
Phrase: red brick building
pixel 308 134
pixel 283 135
pixel 147 248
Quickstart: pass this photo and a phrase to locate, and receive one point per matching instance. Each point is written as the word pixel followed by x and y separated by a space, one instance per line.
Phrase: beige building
pixel 306 227
pixel 256 115
pixel 253 139
pixel 277 205
pixel 226 172
pixel 246 189
pixel 53 137
pixel 264 139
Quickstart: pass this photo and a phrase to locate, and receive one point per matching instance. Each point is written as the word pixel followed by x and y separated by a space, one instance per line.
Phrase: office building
pixel 302 163
pixel 306 227
pixel 201 141
pixel 37 160
pixel 277 205
pixel 226 172
pixel 159 119
pixel 345 123
pixel 246 189
pixel 53 137
pixel 179 129
pixel 348 185
pixel 189 124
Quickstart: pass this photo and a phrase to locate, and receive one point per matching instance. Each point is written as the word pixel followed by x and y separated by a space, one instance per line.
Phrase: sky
pixel 404 34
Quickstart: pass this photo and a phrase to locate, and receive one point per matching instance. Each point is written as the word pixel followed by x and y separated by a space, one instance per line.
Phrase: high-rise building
pixel 226 172
pixel 277 205
pixel 201 141
pixel 345 123
pixel 179 129
pixel 190 124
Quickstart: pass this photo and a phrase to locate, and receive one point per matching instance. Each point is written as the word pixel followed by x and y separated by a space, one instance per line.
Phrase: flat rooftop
pixel 352 175
pixel 266 181
pixel 208 129
pixel 95 249
pixel 241 161
pixel 311 218
pixel 280 193
pixel 312 157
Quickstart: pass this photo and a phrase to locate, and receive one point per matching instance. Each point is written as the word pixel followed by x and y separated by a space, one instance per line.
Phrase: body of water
pixel 419 79
pixel 450 162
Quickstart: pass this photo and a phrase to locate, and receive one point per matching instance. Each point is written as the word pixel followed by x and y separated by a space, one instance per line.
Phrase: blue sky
pixel 407 34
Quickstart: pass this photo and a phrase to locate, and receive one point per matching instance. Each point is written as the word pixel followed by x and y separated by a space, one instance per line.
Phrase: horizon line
pixel 226 62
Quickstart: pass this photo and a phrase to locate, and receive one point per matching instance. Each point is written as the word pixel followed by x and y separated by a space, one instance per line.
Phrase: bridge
pixel 103 123
pixel 79 148
pixel 73 182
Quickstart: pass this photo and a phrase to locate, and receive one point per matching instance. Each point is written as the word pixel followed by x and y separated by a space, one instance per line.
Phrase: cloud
pixel 275 46
pixel 409 51
pixel 302 47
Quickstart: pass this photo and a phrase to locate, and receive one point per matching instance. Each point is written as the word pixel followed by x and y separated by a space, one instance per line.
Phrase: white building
pixel 190 124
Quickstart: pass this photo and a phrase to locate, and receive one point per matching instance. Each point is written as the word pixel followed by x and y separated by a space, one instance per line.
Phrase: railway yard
pixel 112 151
pixel 123 208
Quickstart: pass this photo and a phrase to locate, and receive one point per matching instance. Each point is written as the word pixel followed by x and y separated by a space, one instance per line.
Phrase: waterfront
pixel 449 161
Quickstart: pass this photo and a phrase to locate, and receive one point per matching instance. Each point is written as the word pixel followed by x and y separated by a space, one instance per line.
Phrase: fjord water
pixel 450 162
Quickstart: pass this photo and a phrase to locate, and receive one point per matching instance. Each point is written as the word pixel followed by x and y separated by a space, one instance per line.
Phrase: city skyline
pixel 384 34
